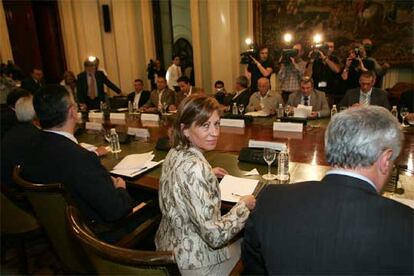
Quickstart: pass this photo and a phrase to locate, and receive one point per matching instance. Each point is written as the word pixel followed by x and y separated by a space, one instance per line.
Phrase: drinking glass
pixel 269 155
pixel 164 107
pixel 287 110
pixel 241 108
pixel 403 114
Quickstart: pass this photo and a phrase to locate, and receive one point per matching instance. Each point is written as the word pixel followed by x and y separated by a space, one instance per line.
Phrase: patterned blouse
pixel 191 224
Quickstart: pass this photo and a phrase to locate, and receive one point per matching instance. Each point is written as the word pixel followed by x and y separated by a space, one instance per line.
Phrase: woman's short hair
pixel 24 109
pixel 356 137
pixel 194 109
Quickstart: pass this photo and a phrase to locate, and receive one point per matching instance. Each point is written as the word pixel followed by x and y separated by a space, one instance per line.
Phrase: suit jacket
pixel 179 96
pixel 407 100
pixel 101 79
pixel 55 158
pixel 339 225
pixel 243 98
pixel 317 101
pixel 378 97
pixel 167 97
pixel 31 85
pixel 142 100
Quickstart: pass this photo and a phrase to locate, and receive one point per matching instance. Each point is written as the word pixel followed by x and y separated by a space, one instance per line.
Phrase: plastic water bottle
pixel 280 111
pixel 394 111
pixel 114 141
pixel 234 109
pixel 283 164
pixel 333 110
pixel 130 107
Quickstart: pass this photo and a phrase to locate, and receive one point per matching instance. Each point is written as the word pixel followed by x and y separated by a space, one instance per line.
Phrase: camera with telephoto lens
pixel 287 54
pixel 321 47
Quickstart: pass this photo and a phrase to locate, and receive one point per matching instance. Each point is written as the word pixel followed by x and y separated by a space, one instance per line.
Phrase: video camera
pixel 287 54
pixel 321 47
pixel 245 56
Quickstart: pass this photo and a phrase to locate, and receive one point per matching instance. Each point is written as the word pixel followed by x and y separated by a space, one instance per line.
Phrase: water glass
pixel 241 108
pixel 269 155
pixel 403 114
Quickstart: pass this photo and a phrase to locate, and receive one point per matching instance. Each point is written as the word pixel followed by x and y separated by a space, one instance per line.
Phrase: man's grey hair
pixel 357 136
pixel 243 81
pixel 24 109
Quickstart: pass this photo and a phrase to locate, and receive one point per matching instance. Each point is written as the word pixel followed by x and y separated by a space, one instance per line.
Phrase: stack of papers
pixel 232 188
pixel 88 146
pixel 134 164
pixel 302 111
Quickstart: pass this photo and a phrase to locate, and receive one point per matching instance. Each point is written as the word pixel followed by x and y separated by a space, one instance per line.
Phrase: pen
pixel 236 194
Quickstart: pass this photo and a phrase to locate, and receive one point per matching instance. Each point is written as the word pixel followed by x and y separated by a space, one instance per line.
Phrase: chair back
pixel 49 204
pixel 110 259
pixel 14 220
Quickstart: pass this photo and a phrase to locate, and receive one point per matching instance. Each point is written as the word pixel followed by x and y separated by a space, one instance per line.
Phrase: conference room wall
pixel 123 52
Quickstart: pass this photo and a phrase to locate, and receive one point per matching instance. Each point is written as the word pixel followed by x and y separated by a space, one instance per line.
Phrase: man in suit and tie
pixel 340 225
pixel 240 96
pixel 309 96
pixel 90 86
pixel 139 96
pixel 366 94
pixel 35 81
pixel 162 96
pixel 58 158
pixel 186 89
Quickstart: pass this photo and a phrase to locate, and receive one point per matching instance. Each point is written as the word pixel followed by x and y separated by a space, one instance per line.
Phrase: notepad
pixel 259 113
pixel 134 164
pixel 232 188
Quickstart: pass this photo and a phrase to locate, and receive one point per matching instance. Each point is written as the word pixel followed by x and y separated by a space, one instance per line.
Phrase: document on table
pixel 259 113
pixel 302 111
pixel 232 188
pixel 134 164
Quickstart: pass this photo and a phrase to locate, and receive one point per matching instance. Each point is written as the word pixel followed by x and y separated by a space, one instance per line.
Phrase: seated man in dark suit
pixel 90 86
pixel 309 96
pixel 57 158
pixel 35 81
pixel 240 96
pixel 407 101
pixel 366 94
pixel 340 225
pixel 8 114
pixel 139 96
pixel 186 89
pixel 15 146
pixel 160 98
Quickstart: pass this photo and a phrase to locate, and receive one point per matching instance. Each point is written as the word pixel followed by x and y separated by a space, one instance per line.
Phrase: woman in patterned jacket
pixel 192 225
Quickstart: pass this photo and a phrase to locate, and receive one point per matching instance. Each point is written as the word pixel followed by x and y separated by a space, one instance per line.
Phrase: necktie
pixel 306 100
pixel 92 87
pixel 364 100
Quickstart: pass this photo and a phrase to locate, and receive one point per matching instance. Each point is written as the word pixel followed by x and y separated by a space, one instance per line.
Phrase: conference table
pixel 306 149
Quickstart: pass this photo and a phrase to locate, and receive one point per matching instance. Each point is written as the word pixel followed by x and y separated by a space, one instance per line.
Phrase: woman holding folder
pixel 192 225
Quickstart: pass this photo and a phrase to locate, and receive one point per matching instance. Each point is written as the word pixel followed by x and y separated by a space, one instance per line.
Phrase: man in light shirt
pixel 264 99
pixel 341 224
pixel 173 73
pixel 366 94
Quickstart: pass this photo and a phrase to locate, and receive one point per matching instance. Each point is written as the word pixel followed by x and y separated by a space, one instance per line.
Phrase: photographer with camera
pixel 260 67
pixel 154 69
pixel 380 70
pixel 355 64
pixel 324 68
pixel 292 69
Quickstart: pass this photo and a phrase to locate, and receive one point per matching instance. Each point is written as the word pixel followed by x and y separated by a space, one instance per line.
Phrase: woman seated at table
pixel 189 196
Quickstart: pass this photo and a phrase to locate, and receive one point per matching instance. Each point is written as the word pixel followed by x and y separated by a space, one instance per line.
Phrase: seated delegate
pixel 189 196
